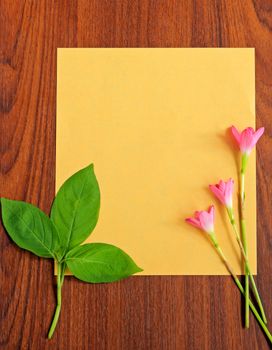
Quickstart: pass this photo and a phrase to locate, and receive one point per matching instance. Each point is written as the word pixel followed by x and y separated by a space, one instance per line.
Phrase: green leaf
pixel 76 208
pixel 100 262
pixel 30 228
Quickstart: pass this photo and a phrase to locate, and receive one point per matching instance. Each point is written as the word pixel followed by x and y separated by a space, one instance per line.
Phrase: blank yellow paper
pixel 153 122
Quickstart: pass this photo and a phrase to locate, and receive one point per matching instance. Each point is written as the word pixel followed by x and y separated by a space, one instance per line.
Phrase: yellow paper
pixel 153 122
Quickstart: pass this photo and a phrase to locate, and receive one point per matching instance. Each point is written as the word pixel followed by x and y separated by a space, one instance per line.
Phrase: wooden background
pixel 146 313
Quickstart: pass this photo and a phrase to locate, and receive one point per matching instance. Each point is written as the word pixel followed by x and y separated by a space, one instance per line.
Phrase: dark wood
pixel 146 313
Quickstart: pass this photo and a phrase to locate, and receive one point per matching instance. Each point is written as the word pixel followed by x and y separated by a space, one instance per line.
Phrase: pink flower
pixel 204 220
pixel 223 191
pixel 247 139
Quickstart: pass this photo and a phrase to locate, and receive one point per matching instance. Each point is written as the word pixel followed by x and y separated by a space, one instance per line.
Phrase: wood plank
pixel 138 313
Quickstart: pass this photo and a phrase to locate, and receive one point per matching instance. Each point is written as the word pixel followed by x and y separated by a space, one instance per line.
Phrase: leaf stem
pixel 244 240
pixel 239 285
pixel 254 287
pixel 58 307
pixel 62 273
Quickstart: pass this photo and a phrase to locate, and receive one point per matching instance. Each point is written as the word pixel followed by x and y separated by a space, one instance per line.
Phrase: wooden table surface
pixel 145 313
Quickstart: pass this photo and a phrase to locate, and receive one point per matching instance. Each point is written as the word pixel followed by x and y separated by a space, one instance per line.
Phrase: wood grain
pixel 147 313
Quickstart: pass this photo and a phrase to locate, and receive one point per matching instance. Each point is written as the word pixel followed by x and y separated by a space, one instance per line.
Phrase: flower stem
pixel 244 240
pixel 58 307
pixel 239 285
pixel 254 287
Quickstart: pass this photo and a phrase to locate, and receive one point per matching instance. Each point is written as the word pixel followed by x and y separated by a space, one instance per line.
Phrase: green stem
pixel 62 273
pixel 244 240
pixel 239 285
pixel 58 308
pixel 254 287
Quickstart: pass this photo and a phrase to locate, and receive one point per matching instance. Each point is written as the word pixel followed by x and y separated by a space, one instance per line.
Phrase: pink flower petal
pixel 247 140
pixel 221 185
pixel 236 134
pixel 194 222
pixel 229 192
pixel 218 193
pixel 204 220
pixel 258 134
pixel 223 191
pixel 196 214
pixel 211 211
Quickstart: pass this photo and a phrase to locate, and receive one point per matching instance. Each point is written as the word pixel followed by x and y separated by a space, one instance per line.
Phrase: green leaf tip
pixel 75 209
